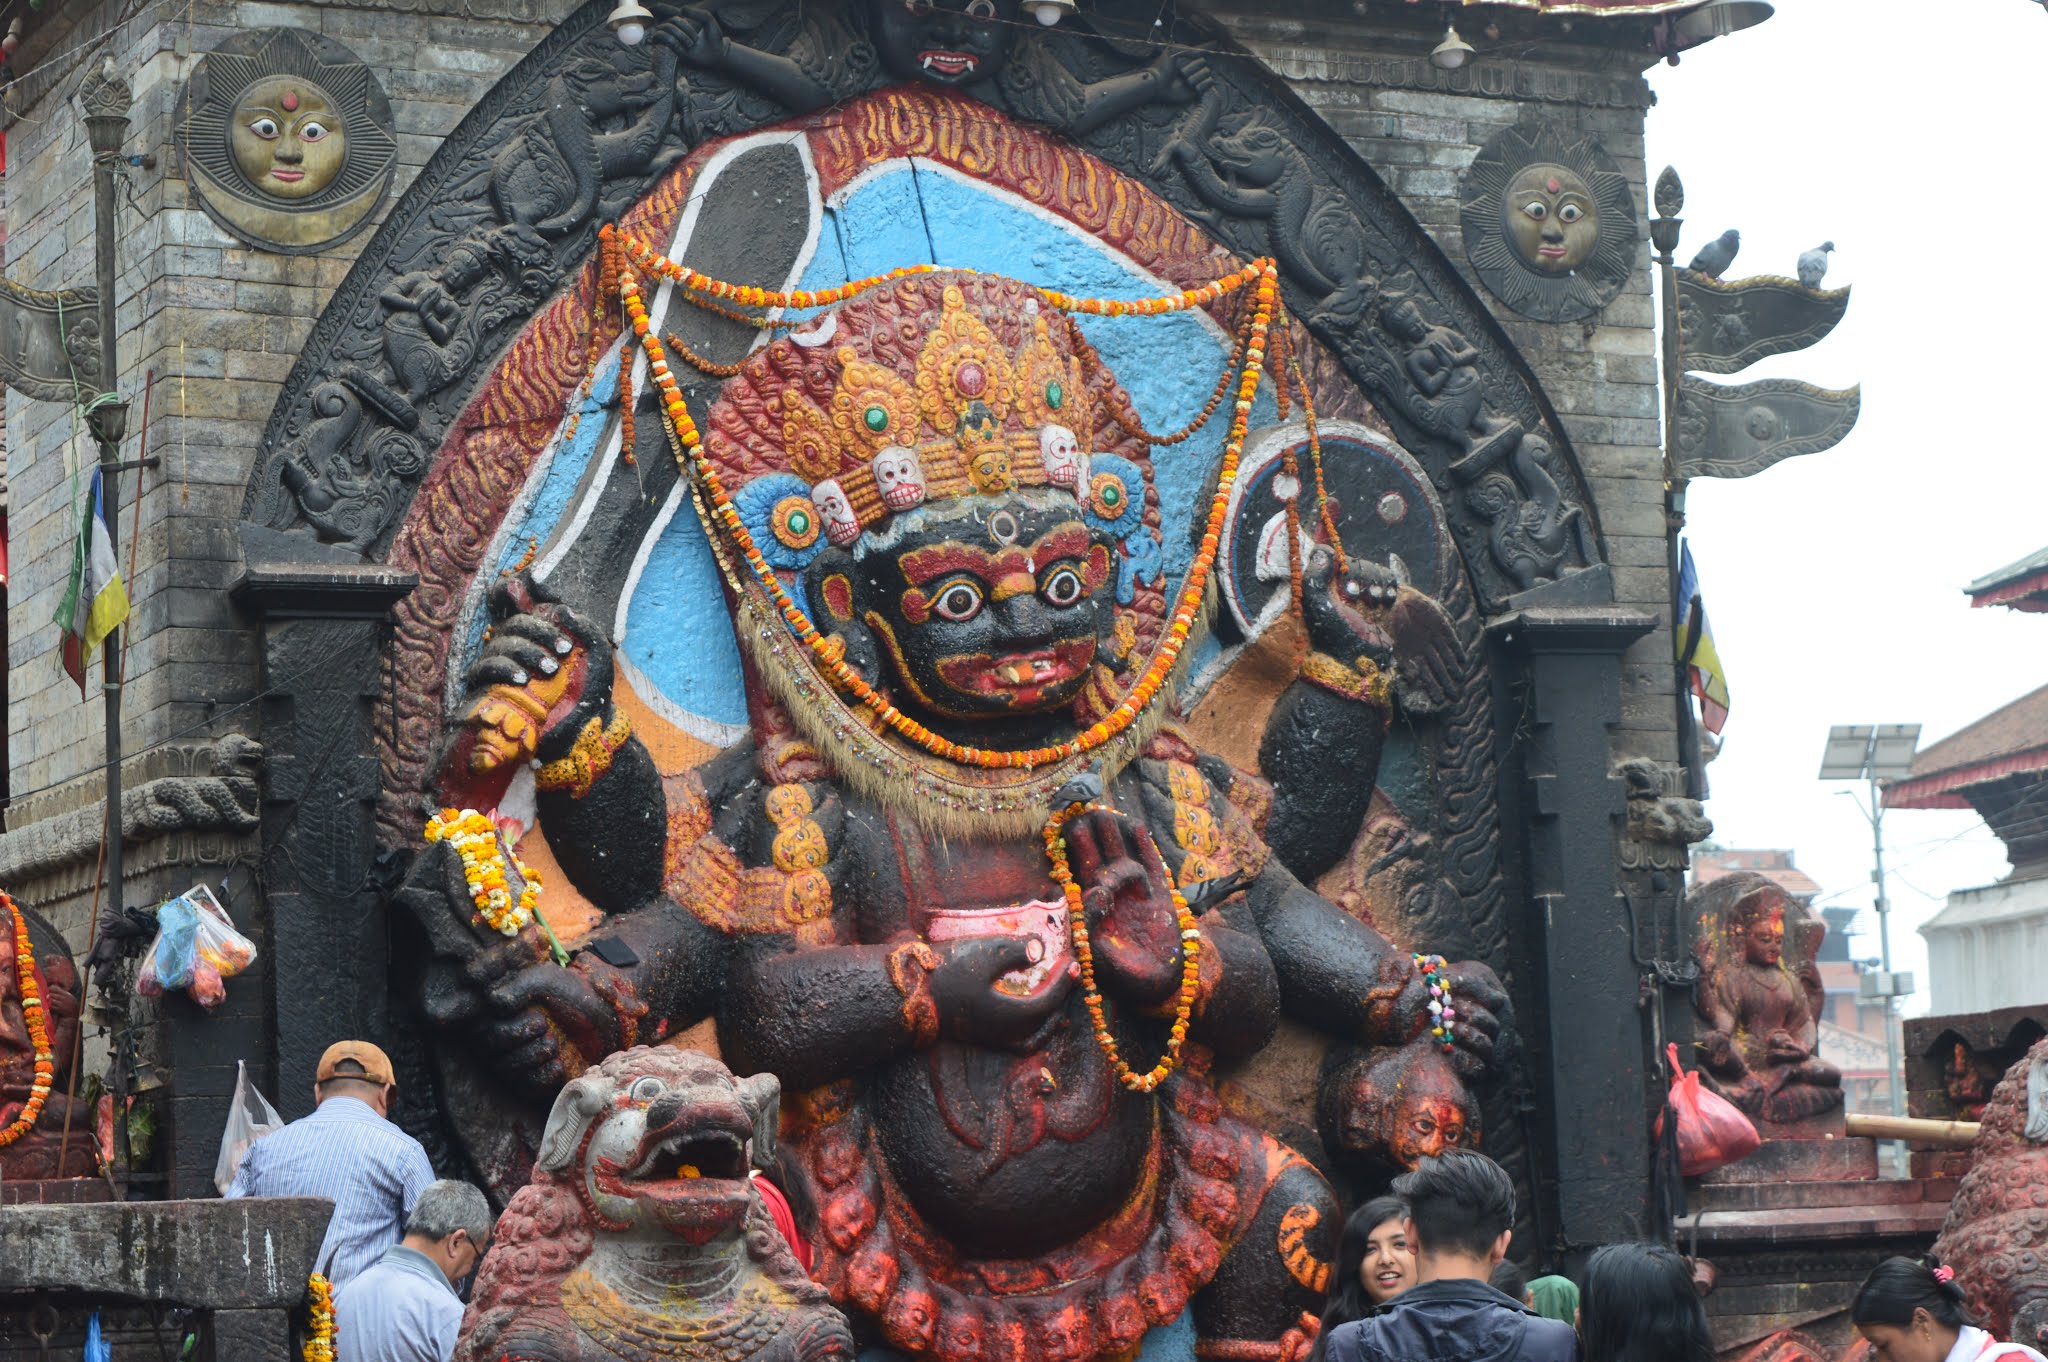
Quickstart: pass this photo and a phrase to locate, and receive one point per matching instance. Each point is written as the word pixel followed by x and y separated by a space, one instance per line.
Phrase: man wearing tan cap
pixel 349 1153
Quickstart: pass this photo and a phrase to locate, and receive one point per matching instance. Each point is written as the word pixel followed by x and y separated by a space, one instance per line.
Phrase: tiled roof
pixel 2022 585
pixel 2006 742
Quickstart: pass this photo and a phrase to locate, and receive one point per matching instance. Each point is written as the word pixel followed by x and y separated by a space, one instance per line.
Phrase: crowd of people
pixel 1422 1275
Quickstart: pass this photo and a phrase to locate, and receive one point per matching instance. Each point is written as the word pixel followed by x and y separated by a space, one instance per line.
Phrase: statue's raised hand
pixel 692 32
pixel 545 673
pixel 1477 1000
pixel 1127 895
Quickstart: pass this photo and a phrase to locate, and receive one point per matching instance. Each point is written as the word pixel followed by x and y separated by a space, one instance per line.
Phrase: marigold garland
pixel 835 667
pixel 319 1346
pixel 475 839
pixel 1084 953
pixel 32 1012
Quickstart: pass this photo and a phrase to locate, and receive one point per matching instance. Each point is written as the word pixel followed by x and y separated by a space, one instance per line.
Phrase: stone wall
pixel 218 324
pixel 1420 127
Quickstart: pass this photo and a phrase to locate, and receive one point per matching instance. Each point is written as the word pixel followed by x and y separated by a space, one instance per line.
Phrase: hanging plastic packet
pixel 197 948
pixel 96 1349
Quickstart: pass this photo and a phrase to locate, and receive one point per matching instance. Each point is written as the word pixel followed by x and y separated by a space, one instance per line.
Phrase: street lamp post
pixel 1874 753
pixel 106 99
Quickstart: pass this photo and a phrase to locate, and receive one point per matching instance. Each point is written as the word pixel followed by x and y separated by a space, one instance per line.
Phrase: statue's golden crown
pixel 961 413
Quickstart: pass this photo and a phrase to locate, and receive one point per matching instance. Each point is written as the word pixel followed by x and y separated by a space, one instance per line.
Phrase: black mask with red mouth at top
pixel 946 42
pixel 990 607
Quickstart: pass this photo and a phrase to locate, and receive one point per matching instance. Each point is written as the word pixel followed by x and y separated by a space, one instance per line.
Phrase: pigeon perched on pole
pixel 1813 264
pixel 1717 255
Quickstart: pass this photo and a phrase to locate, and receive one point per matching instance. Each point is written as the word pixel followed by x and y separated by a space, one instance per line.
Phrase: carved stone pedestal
pixel 1793 1229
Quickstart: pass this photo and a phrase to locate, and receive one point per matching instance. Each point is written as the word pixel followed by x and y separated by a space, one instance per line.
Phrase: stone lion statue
pixel 1996 1237
pixel 641 1235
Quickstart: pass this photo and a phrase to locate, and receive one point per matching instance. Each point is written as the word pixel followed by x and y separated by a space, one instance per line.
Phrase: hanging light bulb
pixel 629 19
pixel 1050 12
pixel 13 38
pixel 1453 52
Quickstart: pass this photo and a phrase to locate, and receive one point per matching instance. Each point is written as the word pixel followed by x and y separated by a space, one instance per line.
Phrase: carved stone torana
pixel 50 342
pixel 1738 430
pixel 641 1237
pixel 287 139
pixel 1549 223
pixel 1996 1235
pixel 1725 326
pixel 488 231
pixel 1759 999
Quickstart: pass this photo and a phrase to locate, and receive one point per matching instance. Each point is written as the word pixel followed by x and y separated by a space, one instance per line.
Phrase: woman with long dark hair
pixel 1375 1263
pixel 1638 1304
pixel 1911 1312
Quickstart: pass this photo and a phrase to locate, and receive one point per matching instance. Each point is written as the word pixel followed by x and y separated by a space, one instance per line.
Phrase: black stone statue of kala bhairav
pixel 951 494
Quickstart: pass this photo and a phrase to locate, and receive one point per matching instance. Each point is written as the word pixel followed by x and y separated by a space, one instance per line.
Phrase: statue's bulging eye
pixel 981 9
pixel 1536 209
pixel 1571 212
pixel 1063 588
pixel 265 128
pixel 313 130
pixel 959 602
pixel 647 1089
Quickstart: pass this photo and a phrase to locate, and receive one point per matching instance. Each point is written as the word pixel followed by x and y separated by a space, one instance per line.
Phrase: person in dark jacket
pixel 1461 1209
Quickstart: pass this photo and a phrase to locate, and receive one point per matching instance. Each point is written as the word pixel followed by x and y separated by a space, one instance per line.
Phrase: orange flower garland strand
pixel 32 1012
pixel 1084 953
pixel 475 839
pixel 319 1346
pixel 829 661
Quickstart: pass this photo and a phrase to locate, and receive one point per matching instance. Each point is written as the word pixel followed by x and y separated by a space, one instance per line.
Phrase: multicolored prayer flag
pixel 95 602
pixel 1695 642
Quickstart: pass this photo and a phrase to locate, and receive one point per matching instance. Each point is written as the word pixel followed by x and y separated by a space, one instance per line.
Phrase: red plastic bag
pixel 1712 1131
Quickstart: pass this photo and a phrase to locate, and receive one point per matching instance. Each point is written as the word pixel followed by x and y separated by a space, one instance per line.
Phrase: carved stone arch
pixel 508 210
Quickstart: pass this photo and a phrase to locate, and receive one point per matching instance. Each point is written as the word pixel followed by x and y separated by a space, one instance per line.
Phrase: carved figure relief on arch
pixel 570 659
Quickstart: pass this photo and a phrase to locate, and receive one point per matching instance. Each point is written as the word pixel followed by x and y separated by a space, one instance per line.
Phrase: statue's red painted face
pixel 988 606
pixel 1425 1125
pixel 1763 938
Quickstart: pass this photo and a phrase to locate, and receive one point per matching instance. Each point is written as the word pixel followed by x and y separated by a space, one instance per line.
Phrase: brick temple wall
pixel 1420 127
pixel 219 325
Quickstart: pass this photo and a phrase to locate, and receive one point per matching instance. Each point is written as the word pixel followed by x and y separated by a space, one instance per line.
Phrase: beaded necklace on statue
pixel 828 659
pixel 32 1012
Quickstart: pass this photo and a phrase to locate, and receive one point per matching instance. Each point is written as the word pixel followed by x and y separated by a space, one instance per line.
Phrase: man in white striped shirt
pixel 349 1153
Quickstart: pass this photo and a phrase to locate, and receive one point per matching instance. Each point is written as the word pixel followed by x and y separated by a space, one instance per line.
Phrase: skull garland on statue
pixel 999 1115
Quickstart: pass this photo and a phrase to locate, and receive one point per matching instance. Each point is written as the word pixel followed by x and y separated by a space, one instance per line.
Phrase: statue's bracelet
pixel 1436 974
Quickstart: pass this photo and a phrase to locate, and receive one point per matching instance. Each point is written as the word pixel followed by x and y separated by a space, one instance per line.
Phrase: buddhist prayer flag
pixel 95 602
pixel 1695 642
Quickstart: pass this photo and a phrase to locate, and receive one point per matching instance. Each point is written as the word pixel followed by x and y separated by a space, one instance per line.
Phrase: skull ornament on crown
pixel 899 477
pixel 972 388
pixel 1065 464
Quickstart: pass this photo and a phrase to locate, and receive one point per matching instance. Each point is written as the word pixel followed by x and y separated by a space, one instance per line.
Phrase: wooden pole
pixel 1947 1134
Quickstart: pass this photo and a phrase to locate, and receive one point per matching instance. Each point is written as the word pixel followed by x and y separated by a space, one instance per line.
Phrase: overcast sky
pixel 1918 143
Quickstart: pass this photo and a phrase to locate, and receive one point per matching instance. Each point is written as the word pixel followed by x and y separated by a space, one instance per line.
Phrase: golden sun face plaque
pixel 287 139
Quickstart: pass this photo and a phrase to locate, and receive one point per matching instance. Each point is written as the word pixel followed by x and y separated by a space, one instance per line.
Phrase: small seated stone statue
pixel 1759 998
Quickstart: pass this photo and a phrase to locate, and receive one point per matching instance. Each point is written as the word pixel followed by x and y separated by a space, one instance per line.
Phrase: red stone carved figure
pixel 641 1236
pixel 35 1153
pixel 1760 1000
pixel 1996 1235
pixel 877 924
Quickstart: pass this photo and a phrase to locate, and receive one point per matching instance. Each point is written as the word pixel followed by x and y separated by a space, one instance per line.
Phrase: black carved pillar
pixel 1589 1042
pixel 323 630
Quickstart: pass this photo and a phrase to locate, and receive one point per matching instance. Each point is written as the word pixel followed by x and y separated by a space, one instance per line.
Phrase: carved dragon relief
pixel 510 206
